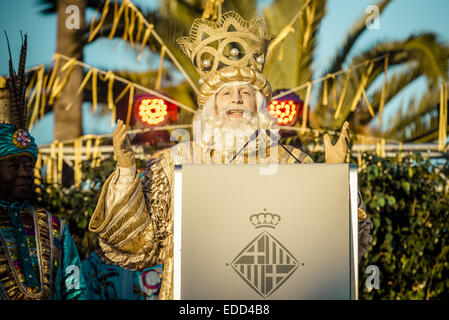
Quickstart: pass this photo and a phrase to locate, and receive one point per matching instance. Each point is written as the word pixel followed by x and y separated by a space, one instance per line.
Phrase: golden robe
pixel 136 230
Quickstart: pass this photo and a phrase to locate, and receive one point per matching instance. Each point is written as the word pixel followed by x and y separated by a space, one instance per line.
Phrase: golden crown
pixel 230 49
pixel 265 219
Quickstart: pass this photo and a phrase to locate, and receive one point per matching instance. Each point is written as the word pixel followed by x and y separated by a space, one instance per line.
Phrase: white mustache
pixel 247 114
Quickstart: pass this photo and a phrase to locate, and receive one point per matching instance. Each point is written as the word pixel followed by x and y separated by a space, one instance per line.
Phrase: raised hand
pixel 337 153
pixel 122 146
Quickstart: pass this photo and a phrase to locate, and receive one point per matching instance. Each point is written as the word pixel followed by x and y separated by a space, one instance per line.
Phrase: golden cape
pixel 137 231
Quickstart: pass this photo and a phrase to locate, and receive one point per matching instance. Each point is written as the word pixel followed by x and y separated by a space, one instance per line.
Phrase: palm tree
pixel 67 109
pixel 420 121
pixel 421 55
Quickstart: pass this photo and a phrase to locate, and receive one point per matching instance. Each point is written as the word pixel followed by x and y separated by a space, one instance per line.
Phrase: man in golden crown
pixel 38 258
pixel 134 217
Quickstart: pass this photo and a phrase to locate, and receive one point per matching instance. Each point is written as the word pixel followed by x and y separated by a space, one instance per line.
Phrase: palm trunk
pixel 67 109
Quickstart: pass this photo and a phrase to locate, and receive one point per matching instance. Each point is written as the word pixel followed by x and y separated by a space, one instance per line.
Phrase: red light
pixel 283 111
pixel 153 111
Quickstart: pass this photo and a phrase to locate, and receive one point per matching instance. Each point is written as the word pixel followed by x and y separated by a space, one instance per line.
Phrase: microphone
pixel 268 131
pixel 251 138
pixel 270 134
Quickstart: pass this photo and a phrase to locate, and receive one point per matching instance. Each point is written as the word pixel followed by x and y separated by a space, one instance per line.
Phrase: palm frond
pixel 419 122
pixel 307 40
pixel 421 54
pixel 394 86
pixel 183 11
pixel 336 63
pixel 247 9
pixel 425 48
pixel 169 28
pixel 291 62
pixel 356 31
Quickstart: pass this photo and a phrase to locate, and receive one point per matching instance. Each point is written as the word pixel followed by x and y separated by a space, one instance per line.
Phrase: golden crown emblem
pixel 265 219
pixel 230 49
pixel 230 41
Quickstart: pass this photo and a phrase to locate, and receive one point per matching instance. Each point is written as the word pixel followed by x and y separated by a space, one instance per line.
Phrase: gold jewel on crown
pixel 265 219
pixel 230 41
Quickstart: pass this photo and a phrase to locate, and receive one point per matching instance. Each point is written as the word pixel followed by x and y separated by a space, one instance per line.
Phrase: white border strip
pixel 353 187
pixel 177 233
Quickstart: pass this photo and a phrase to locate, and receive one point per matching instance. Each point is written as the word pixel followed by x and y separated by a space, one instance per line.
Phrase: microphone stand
pixel 254 136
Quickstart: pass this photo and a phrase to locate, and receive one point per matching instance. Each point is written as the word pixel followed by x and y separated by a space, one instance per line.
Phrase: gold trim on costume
pixel 5 110
pixel 11 280
pixel 361 214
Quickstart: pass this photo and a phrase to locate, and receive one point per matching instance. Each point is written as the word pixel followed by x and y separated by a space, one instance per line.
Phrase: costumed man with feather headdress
pixel 134 218
pixel 38 258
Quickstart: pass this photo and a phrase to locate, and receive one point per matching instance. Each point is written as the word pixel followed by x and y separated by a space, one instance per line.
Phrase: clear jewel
pixel 21 139
pixel 234 52
pixel 206 63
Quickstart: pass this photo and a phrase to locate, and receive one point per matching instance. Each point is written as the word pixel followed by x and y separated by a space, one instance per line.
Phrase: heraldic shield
pixel 265 264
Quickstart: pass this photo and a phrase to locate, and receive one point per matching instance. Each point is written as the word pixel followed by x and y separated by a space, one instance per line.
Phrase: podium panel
pixel 243 234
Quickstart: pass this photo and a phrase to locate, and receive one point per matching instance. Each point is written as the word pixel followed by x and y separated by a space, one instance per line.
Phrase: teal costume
pixel 111 282
pixel 38 258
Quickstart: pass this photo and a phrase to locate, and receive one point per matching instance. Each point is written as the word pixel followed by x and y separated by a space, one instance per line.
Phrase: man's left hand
pixel 337 153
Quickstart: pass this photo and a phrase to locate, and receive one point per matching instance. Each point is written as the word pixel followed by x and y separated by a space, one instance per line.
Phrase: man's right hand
pixel 122 146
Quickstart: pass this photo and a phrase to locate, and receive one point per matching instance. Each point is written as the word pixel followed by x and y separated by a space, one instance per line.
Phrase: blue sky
pixel 401 19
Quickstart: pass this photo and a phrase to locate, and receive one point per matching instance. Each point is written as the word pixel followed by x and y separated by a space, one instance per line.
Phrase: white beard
pixel 227 138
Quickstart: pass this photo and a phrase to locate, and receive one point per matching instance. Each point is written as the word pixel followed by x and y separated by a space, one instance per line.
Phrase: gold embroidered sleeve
pixel 133 232
pixel 297 153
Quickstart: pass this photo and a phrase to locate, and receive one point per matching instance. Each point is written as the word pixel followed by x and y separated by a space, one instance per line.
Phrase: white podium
pixel 243 232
